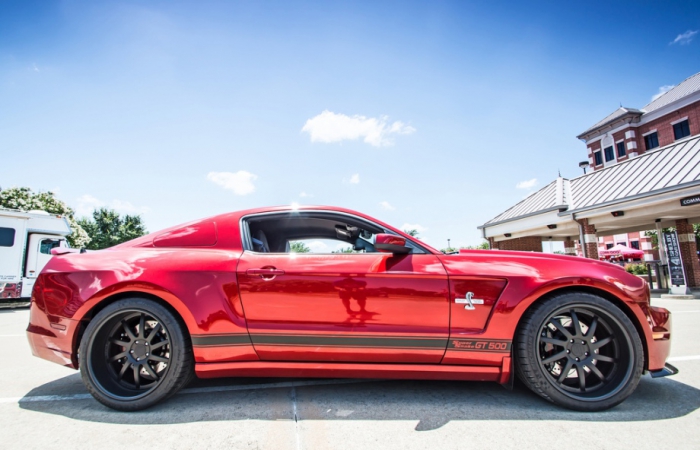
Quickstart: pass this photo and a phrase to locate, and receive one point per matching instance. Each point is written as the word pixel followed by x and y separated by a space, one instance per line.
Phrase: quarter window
pixel 7 237
pixel 609 154
pixel 621 149
pixel 651 140
pixel 598 158
pixel 681 130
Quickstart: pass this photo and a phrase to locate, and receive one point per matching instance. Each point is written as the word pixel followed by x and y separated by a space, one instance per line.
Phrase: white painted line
pixel 202 390
pixel 684 312
pixel 13 335
pixel 684 358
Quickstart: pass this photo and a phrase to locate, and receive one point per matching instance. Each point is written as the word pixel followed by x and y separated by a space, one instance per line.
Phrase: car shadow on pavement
pixel 431 403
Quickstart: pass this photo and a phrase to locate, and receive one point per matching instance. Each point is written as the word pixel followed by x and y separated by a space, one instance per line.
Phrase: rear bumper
pixel 52 338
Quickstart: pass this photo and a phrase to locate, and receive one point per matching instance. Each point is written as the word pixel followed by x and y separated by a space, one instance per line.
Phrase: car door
pixel 354 307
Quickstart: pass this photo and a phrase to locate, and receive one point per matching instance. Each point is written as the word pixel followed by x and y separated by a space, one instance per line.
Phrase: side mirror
pixel 389 243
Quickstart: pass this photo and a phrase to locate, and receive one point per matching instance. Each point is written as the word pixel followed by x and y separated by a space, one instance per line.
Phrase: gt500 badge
pixel 480 345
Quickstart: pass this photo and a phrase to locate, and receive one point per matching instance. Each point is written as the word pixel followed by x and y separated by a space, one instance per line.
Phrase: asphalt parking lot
pixel 43 405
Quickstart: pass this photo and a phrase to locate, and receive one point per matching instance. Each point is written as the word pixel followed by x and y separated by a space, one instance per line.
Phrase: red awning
pixel 621 250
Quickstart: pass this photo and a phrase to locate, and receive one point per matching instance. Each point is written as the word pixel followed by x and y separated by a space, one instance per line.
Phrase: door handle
pixel 265 272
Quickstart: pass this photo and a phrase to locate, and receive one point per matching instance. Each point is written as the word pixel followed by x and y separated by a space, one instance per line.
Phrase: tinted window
pixel 681 130
pixel 634 245
pixel 651 141
pixel 7 237
pixel 621 149
pixel 598 158
pixel 609 154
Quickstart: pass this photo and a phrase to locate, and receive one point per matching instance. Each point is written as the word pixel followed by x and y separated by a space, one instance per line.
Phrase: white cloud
pixel 355 179
pixel 662 91
pixel 684 38
pixel 241 182
pixel 329 127
pixel 304 194
pixel 35 68
pixel 414 226
pixel 528 184
pixel 317 246
pixel 88 203
pixel 386 205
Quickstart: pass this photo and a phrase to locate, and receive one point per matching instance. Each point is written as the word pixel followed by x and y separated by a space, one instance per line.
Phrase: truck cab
pixel 26 240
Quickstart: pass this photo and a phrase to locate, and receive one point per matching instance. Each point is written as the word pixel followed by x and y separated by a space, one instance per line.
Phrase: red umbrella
pixel 622 251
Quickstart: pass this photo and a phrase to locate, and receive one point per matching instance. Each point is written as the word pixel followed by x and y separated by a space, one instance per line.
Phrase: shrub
pixel 637 269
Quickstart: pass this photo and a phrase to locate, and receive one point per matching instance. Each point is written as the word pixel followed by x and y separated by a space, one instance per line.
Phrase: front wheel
pixel 579 351
pixel 134 353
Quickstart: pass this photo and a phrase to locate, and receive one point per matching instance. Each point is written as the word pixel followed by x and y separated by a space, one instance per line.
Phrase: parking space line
pixel 12 335
pixel 684 358
pixel 201 390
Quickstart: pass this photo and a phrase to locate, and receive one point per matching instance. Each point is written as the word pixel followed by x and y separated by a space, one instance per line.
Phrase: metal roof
pixel 543 200
pixel 671 167
pixel 687 87
pixel 618 113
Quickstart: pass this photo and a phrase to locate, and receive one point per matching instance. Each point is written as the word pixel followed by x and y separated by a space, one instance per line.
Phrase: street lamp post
pixel 584 165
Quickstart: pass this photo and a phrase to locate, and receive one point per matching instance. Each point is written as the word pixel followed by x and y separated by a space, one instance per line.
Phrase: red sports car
pixel 227 296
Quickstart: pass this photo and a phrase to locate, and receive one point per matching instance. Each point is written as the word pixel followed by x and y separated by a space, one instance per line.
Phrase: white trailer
pixel 26 240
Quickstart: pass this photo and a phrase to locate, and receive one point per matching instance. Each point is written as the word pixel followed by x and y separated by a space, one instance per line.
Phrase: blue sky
pixel 421 113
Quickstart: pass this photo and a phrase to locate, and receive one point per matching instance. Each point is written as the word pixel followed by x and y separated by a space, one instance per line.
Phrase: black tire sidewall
pixel 532 374
pixel 178 374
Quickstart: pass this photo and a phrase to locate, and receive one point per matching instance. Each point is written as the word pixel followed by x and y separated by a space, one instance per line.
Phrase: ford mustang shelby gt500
pixel 225 297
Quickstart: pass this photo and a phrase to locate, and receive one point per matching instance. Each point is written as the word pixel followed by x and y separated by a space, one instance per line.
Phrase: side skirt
pixel 352 370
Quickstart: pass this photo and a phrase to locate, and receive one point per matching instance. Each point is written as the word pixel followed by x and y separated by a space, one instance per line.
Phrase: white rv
pixel 26 240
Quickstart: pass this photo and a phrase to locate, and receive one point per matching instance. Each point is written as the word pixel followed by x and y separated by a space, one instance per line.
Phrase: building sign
pixel 675 264
pixel 690 201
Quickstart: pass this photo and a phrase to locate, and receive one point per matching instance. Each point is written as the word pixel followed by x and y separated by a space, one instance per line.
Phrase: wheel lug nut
pixel 572 341
pixel 583 342
pixel 568 351
pixel 132 352
pixel 578 359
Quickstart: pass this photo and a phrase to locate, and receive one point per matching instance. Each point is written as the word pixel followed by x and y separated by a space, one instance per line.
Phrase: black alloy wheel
pixel 134 354
pixel 579 351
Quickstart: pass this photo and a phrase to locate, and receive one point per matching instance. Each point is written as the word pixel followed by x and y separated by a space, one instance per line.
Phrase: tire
pixel 134 354
pixel 579 351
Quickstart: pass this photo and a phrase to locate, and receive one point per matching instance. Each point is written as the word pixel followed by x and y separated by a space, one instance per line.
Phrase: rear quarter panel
pixel 200 284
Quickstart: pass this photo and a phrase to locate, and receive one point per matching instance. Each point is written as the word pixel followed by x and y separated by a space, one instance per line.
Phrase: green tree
pixel 412 232
pixel 483 246
pixel 107 228
pixel 24 199
pixel 344 250
pixel 298 247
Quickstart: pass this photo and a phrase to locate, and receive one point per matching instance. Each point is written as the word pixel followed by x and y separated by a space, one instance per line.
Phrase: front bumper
pixel 659 340
pixel 668 370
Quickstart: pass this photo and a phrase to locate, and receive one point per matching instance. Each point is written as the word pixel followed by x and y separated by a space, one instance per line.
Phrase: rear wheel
pixel 134 354
pixel 579 351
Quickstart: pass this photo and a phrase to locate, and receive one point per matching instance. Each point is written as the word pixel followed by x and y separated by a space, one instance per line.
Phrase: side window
pixel 7 237
pixel 313 232
pixel 47 244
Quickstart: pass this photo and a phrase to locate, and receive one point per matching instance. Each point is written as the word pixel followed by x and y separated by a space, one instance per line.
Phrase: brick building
pixel 628 132
pixel 645 175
